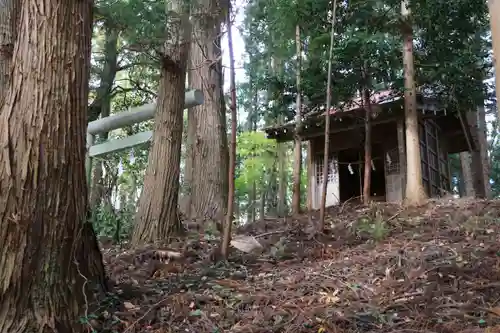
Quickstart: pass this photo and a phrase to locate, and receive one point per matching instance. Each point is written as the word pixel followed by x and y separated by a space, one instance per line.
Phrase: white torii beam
pixel 127 142
pixel 136 115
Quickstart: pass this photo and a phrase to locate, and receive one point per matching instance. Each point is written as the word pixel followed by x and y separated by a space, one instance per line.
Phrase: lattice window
pixel 332 169
pixel 319 171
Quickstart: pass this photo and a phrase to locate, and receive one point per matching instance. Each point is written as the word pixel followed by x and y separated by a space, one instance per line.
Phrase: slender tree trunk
pixel 158 215
pixel 368 146
pixel 297 163
pixel 326 150
pixel 232 155
pixel 466 175
pixel 415 194
pixel 262 203
pixel 43 199
pixel 208 157
pixel 252 126
pixel 310 169
pixel 272 192
pixel 297 167
pixel 251 209
pixel 97 187
pixel 494 10
pixel 276 71
pixel 102 104
pixel 283 178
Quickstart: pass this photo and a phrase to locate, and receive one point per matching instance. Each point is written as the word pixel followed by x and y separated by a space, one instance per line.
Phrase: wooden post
pixel 494 7
pixel 310 173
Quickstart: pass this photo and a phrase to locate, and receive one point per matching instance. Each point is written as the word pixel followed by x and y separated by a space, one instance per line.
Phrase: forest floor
pixel 434 268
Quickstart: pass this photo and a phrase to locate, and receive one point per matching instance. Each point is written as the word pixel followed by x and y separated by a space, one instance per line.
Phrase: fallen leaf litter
pixel 434 268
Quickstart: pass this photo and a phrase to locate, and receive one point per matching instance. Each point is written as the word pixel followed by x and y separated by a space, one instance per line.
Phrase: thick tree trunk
pixel 297 160
pixel 468 183
pixel 158 214
pixel 207 160
pixel 43 199
pixel 415 194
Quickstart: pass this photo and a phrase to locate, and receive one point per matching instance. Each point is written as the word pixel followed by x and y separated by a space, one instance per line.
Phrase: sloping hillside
pixel 434 268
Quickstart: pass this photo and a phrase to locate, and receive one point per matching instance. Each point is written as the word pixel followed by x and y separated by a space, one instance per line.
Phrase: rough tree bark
pixel 415 194
pixel 158 214
pixel 480 161
pixel 43 194
pixel 8 19
pixel 468 183
pixel 207 156
pixel 297 160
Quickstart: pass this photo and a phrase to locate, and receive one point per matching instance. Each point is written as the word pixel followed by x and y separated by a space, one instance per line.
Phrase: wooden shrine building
pixel 442 132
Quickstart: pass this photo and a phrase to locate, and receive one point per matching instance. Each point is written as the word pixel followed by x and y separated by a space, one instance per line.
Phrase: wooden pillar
pixel 310 174
pixel 494 7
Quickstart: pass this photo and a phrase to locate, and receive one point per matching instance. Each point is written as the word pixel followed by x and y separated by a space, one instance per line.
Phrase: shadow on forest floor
pixel 434 268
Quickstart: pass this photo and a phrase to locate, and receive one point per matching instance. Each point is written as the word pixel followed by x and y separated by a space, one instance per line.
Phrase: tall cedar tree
pixel 326 151
pixel 207 157
pixel 415 194
pixel 232 156
pixel 158 214
pixel 43 194
pixel 297 167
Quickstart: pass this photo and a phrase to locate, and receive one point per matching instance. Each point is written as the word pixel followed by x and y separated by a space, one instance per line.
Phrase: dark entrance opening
pixel 351 173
